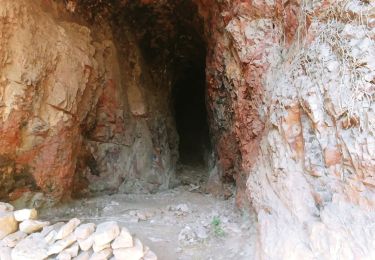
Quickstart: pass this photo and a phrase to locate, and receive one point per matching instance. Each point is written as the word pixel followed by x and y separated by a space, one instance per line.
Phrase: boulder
pixel 8 224
pixel 30 226
pixel 73 250
pixel 87 243
pixel 5 253
pixel 64 256
pixel 25 214
pixel 130 253
pixel 106 232
pixel 60 245
pixel 68 228
pixel 84 231
pixel 47 229
pixel 13 239
pixel 97 248
pixel 102 255
pixel 124 240
pixel 32 247
pixel 83 256
pixel 6 207
pixel 51 237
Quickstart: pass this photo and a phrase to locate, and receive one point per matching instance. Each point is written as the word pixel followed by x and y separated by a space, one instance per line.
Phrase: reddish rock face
pixel 289 93
pixel 277 119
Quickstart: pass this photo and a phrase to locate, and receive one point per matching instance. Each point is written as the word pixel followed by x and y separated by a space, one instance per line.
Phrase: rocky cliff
pixel 86 97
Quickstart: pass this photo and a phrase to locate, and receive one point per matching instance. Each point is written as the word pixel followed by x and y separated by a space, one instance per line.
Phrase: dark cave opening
pixel 171 36
pixel 191 115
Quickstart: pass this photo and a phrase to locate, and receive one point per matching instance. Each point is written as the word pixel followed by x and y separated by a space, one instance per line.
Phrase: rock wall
pixel 72 116
pixel 290 93
pixel 292 84
pixel 50 80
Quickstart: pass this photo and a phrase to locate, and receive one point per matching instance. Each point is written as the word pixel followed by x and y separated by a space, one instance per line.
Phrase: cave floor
pixel 181 223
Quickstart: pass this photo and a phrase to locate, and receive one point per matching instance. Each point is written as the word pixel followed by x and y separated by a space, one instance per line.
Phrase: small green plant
pixel 216 227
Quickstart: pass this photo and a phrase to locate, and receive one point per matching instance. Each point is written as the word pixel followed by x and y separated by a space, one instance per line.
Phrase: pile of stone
pixel 22 237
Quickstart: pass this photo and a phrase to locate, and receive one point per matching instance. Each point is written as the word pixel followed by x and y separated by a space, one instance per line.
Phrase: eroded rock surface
pixel 290 97
pixel 72 116
pixel 302 75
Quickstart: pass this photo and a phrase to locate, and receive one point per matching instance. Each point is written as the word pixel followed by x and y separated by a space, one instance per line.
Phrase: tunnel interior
pixel 170 36
pixel 191 115
pixel 161 48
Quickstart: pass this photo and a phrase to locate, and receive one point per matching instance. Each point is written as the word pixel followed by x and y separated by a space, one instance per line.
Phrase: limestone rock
pixel 102 255
pixel 124 240
pixel 130 253
pixel 50 232
pixel 6 207
pixel 30 226
pixel 47 229
pixel 64 256
pixel 5 253
pixel 73 250
pixel 68 228
pixel 25 214
pixel 106 232
pixel 8 224
pixel 51 237
pixel 60 245
pixel 84 231
pixel 87 243
pixel 13 239
pixel 32 247
pixel 98 248
pixel 83 256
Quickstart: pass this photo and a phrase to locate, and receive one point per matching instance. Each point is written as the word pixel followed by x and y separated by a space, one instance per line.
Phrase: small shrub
pixel 216 227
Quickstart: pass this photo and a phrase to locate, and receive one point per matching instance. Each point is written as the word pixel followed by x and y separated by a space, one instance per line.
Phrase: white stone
pixel 6 207
pixel 13 239
pixel 25 214
pixel 68 228
pixel 102 255
pixel 73 250
pixel 124 240
pixel 60 245
pixel 32 247
pixel 84 231
pixel 87 243
pixel 106 232
pixel 57 226
pixel 30 226
pixel 8 224
pixel 51 237
pixel 130 253
pixel 5 253
pixel 64 256
pixel 83 256
pixel 97 248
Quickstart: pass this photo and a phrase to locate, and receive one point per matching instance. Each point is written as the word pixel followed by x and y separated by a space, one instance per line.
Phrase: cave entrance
pixel 188 95
pixel 171 39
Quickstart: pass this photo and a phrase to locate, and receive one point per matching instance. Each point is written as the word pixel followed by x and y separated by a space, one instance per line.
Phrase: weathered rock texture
pixel 72 115
pixel 292 84
pixel 86 102
pixel 50 81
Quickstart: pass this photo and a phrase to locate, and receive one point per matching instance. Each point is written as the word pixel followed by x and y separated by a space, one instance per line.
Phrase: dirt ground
pixel 179 224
